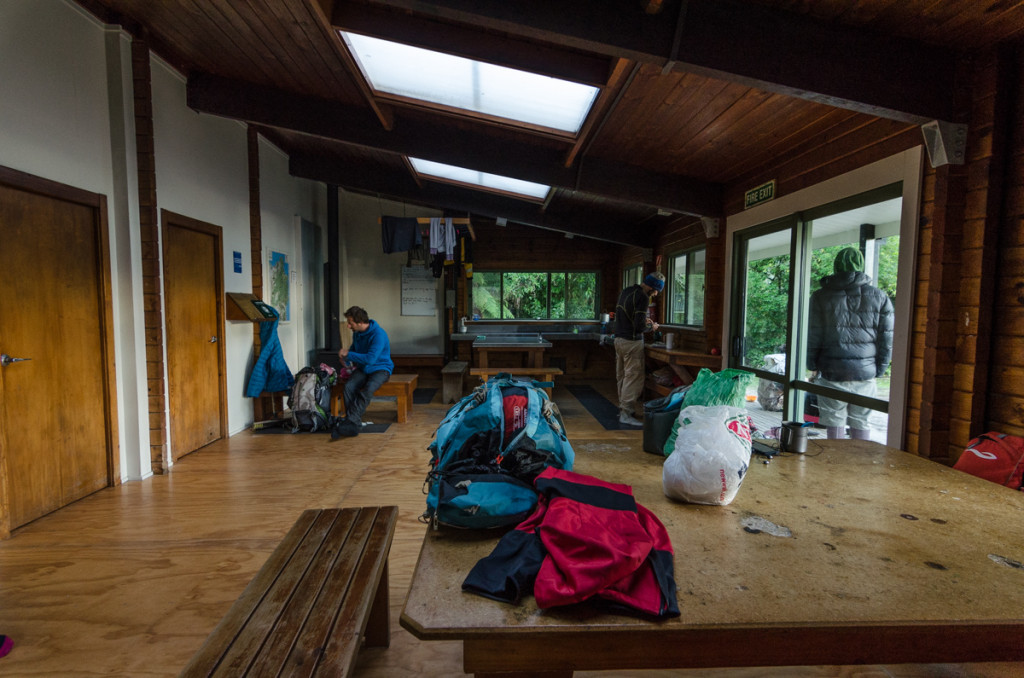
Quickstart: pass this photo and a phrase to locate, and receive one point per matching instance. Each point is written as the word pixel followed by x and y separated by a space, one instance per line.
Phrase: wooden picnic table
pixel 853 553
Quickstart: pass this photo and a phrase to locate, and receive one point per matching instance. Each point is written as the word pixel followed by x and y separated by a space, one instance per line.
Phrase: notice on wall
pixel 419 291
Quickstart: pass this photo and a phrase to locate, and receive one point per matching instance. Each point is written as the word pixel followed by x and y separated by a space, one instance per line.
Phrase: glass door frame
pixel 906 167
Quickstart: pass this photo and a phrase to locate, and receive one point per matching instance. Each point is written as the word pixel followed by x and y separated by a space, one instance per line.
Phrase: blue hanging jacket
pixel 270 373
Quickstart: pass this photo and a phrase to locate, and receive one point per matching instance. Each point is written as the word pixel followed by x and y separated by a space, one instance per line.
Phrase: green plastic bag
pixel 728 387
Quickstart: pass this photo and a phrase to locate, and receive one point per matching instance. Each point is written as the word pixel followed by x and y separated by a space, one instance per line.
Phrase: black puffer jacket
pixel 850 333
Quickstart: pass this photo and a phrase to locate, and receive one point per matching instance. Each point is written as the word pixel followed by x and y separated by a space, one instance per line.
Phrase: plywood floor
pixel 129 581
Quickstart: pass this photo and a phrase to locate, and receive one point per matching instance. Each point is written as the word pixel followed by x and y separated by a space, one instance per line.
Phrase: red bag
pixel 995 456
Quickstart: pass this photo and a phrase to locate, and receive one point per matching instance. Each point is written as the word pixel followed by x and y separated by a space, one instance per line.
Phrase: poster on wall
pixel 419 291
pixel 277 274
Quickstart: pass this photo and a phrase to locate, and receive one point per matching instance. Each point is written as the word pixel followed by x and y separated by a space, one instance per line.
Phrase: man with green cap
pixel 849 341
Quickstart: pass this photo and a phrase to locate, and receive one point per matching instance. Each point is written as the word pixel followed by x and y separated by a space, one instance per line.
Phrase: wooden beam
pixel 425 136
pixel 783 52
pixel 442 196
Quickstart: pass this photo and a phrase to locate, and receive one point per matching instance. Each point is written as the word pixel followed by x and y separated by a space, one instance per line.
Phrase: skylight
pixel 492 182
pixel 447 80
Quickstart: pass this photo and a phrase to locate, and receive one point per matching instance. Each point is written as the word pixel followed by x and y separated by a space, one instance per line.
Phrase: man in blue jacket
pixel 370 353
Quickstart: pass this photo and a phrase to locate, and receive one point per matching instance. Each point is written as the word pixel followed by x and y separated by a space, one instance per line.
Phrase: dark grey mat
pixel 369 428
pixel 602 409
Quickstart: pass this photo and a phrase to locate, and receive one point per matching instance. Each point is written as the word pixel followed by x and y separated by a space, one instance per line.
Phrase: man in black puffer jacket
pixel 849 341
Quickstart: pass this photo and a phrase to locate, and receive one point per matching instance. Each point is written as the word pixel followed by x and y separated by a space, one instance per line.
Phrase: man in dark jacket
pixel 631 322
pixel 371 354
pixel 849 341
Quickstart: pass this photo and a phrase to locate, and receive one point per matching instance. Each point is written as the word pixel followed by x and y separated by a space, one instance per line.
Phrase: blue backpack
pixel 488 450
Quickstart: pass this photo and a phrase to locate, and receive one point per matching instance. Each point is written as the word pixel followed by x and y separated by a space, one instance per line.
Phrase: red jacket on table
pixel 587 539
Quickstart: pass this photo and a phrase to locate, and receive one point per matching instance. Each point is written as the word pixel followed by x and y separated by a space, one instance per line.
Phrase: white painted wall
pixel 63 107
pixel 66 115
pixel 373 280
pixel 202 172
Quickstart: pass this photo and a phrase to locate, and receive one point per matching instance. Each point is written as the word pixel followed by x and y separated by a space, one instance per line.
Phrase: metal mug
pixel 793 437
pixel 670 341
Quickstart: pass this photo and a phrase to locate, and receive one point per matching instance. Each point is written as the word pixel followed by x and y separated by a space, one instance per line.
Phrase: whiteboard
pixel 419 291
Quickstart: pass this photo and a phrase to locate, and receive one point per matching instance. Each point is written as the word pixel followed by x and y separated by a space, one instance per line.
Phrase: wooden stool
pixel 453 375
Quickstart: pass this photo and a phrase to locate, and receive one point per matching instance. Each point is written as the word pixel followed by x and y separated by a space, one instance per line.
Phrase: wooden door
pixel 56 422
pixel 193 290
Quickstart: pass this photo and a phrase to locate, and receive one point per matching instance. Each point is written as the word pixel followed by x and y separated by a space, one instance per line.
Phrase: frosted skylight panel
pixel 494 182
pixel 447 80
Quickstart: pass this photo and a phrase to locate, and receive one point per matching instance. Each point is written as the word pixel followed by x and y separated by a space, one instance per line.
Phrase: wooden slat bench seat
pixel 453 377
pixel 537 373
pixel 400 386
pixel 309 607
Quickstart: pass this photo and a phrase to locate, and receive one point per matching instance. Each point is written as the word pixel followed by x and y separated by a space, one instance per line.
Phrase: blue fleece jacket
pixel 371 349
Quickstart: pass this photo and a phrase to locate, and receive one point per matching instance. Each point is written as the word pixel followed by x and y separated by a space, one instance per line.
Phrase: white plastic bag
pixel 711 455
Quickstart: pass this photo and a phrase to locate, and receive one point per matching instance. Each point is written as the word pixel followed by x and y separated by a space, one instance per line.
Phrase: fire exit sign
pixel 762 193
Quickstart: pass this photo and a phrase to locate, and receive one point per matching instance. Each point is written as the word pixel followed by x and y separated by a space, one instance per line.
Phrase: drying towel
pixel 270 373
pixel 399 234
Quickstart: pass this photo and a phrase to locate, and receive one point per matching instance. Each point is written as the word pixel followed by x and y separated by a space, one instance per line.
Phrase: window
pixel 778 266
pixel 491 182
pixel 532 295
pixel 455 82
pixel 685 290
pixel 632 275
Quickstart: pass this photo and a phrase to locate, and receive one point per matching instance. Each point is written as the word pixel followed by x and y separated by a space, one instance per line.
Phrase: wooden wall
pixel 967 373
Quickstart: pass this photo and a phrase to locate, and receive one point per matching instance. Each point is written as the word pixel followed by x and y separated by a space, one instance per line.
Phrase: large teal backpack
pixel 487 451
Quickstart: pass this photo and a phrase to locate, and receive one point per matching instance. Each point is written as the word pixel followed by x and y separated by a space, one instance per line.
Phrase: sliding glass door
pixel 778 266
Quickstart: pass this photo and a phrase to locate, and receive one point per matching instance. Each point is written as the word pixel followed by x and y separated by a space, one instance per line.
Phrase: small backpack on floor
pixel 310 400
pixel 488 450
pixel 995 456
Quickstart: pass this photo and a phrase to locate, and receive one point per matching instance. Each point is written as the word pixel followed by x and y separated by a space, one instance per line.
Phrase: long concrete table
pixel 854 553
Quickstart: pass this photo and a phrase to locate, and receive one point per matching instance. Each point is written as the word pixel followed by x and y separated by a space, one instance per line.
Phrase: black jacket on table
pixel 850 328
pixel 631 313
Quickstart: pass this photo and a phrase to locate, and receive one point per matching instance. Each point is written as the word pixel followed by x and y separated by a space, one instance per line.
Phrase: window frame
pixel 549 273
pixel 632 275
pixel 670 285
pixel 906 167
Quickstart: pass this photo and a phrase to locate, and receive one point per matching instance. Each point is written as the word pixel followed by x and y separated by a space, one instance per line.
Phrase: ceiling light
pixel 493 182
pixel 446 80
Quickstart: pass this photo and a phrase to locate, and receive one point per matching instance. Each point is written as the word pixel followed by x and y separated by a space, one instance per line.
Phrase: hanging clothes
pixel 270 373
pixel 399 234
pixel 442 237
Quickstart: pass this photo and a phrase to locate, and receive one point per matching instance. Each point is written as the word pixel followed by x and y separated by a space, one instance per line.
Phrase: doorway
pixel 57 402
pixel 193 302
pixel 778 266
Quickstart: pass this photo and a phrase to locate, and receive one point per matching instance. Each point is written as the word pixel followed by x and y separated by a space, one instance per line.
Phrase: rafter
pixel 422 136
pixel 442 196
pixel 772 50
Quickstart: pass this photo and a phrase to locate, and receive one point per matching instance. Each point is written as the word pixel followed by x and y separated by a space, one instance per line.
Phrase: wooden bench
pixel 452 380
pixel 538 373
pixel 308 609
pixel 400 386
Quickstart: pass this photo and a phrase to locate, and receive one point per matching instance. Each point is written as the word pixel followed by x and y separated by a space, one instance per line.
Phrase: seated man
pixel 370 353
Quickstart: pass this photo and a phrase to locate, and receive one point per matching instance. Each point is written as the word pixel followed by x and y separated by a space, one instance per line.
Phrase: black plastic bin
pixel 658 421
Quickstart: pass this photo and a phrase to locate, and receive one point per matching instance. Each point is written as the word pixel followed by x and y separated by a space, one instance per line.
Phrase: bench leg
pixel 378 624
pixel 402 400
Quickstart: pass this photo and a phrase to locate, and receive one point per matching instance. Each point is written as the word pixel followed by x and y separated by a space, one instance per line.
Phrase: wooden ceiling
pixel 697 95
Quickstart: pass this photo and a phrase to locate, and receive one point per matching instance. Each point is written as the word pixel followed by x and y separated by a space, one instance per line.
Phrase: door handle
pixel 213 340
pixel 6 360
